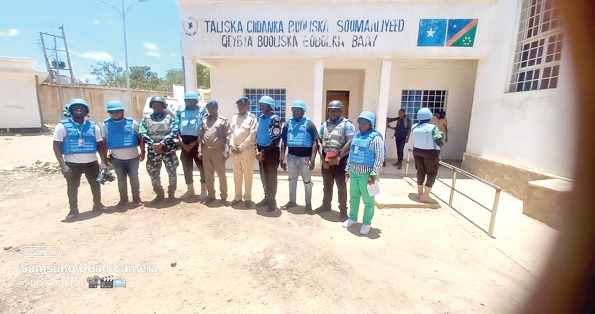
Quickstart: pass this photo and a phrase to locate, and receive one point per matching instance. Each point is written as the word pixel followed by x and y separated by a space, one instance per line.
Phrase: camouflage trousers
pixel 171 162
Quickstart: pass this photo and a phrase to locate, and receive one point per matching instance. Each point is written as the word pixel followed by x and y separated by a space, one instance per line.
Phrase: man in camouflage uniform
pixel 159 131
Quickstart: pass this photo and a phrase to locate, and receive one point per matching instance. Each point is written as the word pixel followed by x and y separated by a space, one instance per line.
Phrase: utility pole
pixel 53 60
pixel 57 67
pixel 67 55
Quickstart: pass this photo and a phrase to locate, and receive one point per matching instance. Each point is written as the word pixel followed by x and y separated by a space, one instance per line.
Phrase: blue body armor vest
pixel 297 133
pixel 80 139
pixel 361 152
pixel 263 136
pixel 120 134
pixel 190 121
pixel 422 136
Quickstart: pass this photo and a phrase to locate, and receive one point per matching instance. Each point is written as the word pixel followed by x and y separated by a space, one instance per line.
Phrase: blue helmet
pixel 78 101
pixel 191 95
pixel 115 105
pixel 367 115
pixel 299 104
pixel 267 100
pixel 212 103
pixel 424 114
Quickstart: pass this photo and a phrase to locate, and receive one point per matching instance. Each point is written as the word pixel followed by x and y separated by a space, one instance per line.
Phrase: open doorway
pixel 342 96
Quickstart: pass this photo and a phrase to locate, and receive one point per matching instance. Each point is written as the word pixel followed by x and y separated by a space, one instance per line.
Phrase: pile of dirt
pixel 41 167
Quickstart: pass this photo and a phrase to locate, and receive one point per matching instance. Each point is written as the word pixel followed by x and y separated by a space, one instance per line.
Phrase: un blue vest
pixel 190 121
pixel 71 142
pixel 263 135
pixel 422 136
pixel 361 151
pixel 120 134
pixel 297 133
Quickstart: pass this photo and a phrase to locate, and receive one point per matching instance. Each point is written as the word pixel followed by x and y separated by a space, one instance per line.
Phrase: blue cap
pixel 213 103
pixel 242 100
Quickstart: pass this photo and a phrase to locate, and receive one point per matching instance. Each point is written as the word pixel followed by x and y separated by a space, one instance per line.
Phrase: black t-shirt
pixel 301 151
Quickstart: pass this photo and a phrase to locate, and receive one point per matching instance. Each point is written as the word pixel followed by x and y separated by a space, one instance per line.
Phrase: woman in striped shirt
pixel 365 159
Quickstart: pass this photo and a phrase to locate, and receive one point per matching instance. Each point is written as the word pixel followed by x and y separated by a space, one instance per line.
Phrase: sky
pixel 94 32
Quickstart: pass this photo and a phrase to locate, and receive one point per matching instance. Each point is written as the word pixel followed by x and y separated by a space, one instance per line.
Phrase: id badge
pixel 81 142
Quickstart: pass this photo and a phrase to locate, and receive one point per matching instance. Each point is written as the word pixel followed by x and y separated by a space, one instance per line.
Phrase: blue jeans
pixel 124 169
pixel 297 167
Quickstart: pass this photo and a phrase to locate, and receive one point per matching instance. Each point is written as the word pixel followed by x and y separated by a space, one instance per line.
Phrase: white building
pixel 18 87
pixel 498 68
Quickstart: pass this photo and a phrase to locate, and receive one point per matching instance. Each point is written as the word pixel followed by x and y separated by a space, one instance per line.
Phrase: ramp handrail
pixel 453 189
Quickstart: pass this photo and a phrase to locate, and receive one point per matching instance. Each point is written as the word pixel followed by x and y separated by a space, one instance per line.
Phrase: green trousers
pixel 358 188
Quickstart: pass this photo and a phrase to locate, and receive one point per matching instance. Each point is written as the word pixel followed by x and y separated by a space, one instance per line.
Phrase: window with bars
pixel 278 95
pixel 413 100
pixel 539 48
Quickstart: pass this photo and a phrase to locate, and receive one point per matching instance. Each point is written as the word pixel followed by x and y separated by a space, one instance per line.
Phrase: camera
pixel 105 175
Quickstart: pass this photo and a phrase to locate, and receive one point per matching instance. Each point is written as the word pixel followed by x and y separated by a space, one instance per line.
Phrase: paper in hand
pixel 374 189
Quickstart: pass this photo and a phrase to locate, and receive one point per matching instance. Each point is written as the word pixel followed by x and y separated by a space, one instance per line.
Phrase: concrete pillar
pixel 381 112
pixel 318 104
pixel 190 80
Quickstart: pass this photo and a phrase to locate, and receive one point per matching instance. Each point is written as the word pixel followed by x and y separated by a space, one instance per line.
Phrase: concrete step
pixel 400 201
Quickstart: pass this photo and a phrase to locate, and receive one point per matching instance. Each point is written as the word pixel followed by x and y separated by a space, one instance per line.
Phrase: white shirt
pixel 122 153
pixel 60 134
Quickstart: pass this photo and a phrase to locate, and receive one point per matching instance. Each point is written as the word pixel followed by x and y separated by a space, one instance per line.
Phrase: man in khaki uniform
pixel 243 134
pixel 214 151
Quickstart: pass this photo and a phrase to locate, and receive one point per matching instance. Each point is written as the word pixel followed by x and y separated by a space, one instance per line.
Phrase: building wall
pixel 455 76
pixel 229 77
pixel 533 129
pixel 96 96
pixel 19 103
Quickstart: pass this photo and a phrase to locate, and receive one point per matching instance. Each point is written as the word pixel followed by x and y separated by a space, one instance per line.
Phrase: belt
pixel 213 146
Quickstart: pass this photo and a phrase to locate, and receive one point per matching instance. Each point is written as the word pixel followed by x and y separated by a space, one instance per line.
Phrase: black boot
pixel 264 202
pixel 272 205
pixel 158 198
pixel 344 215
pixel 122 203
pixel 309 210
pixel 136 199
pixel 323 208
pixel 72 214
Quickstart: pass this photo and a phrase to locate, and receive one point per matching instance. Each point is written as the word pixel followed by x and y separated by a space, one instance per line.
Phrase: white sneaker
pixel 365 229
pixel 348 223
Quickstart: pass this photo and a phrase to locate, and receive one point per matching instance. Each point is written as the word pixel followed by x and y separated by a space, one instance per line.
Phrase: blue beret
pixel 242 100
pixel 213 103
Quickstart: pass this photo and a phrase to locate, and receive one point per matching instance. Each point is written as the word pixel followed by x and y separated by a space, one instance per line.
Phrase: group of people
pixel 207 140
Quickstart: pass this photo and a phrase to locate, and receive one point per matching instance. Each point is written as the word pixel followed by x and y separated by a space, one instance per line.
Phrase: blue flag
pixel 461 32
pixel 432 33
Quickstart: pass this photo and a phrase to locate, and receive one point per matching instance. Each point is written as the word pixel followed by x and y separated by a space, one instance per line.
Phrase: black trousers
pixel 335 174
pixel 73 181
pixel 268 172
pixel 186 158
pixel 400 148
pixel 427 164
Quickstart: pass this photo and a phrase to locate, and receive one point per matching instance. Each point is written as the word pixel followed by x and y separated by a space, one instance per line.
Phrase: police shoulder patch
pixel 276 131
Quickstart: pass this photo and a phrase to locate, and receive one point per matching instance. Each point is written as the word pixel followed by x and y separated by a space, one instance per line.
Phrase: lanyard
pixel 78 129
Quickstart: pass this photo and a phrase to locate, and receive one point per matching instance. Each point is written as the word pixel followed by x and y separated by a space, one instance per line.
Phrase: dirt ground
pixel 190 258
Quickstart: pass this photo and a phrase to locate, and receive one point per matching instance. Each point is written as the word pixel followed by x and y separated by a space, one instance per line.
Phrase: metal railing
pixel 453 189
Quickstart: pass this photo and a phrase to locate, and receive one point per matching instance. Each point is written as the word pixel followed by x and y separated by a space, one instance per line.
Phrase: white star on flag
pixel 431 32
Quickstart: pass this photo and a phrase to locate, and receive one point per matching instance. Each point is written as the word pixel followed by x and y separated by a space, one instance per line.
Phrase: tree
pixel 203 76
pixel 141 77
pixel 109 74
pixel 172 76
